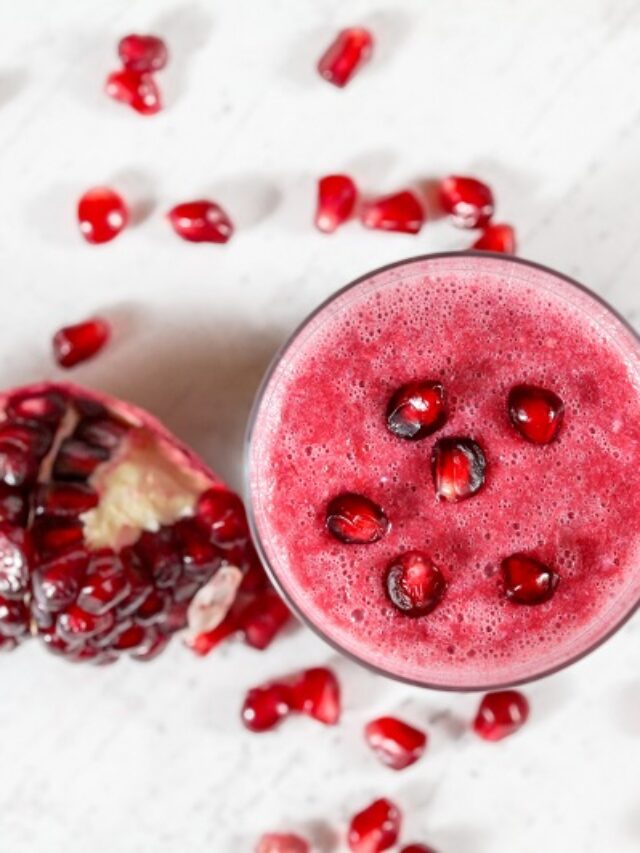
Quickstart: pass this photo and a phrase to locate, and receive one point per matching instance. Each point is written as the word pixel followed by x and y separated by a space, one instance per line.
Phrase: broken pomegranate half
pixel 109 526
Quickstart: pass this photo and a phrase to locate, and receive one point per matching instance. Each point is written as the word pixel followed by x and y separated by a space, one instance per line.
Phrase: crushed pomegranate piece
pixel 414 584
pixel 337 196
pixel 345 55
pixel 316 693
pixel 417 410
pixel 496 238
pixel 136 89
pixel 535 412
pixel 458 466
pixel 527 580
pixel 400 212
pixel 201 221
pixel 265 707
pixel 396 743
pixel 275 842
pixel 501 714
pixel 468 200
pixel 102 215
pixel 355 519
pixel 74 344
pixel 375 829
pixel 143 53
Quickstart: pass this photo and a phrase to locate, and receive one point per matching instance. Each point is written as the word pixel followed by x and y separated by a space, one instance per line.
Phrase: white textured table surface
pixel 540 99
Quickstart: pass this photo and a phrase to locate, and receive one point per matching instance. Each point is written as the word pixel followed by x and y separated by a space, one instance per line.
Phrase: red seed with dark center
pixel 159 553
pixel 136 89
pixel 143 53
pixel 77 460
pixel 224 515
pixel 102 214
pixel 105 584
pixel 77 623
pixel 414 584
pixel 535 412
pixel 337 195
pixel 417 410
pixel 51 536
pixel 276 842
pixel 74 344
pixel 57 582
pixel 16 560
pixel 201 221
pixel 345 55
pixel 396 743
pixel 37 408
pixel 356 520
pixel 263 618
pixel 375 828
pixel 200 559
pixel 501 714
pixel 400 212
pixel 527 580
pixel 458 466
pixel 316 693
pixel 64 500
pixel 468 200
pixel 497 238
pixel 265 707
pixel 14 618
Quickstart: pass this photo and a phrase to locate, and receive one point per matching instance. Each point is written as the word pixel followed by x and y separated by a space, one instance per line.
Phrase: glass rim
pixel 252 420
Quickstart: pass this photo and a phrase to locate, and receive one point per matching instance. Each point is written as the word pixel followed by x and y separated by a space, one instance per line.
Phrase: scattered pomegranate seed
pixel 397 744
pixel 345 55
pixel 143 53
pixel 375 829
pixel 263 618
pixel 400 212
pixel 356 520
pixel 501 714
pixel 337 195
pixel 458 466
pixel 102 215
pixel 136 89
pixel 414 584
pixel 469 201
pixel 527 580
pixel 201 222
pixel 274 842
pixel 417 848
pixel 535 412
pixel 497 238
pixel 265 707
pixel 417 410
pixel 74 344
pixel 316 692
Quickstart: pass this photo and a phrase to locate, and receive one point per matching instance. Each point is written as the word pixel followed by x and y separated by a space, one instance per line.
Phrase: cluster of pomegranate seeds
pixel 501 714
pixel 527 580
pixel 355 519
pixel 496 238
pixel 134 84
pixel 102 215
pixel 458 466
pixel 201 221
pixel 414 584
pixel 337 196
pixel 399 212
pixel 417 410
pixel 274 842
pixel 74 344
pixel 535 412
pixel 396 743
pixel 345 55
pixel 314 692
pixel 468 201
pixel 375 828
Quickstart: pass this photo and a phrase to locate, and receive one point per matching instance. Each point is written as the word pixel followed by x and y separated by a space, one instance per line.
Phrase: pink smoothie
pixel 480 325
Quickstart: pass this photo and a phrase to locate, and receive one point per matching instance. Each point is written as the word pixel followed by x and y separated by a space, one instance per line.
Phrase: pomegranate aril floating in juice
pixel 396 743
pixel 265 707
pixel 527 580
pixel 201 221
pixel 345 55
pixel 400 212
pixel 496 238
pixel 467 200
pixel 375 828
pixel 74 344
pixel 136 89
pixel 316 693
pixel 275 842
pixel 535 412
pixel 501 714
pixel 417 410
pixel 337 196
pixel 414 584
pixel 458 466
pixel 143 53
pixel 102 214
pixel 355 519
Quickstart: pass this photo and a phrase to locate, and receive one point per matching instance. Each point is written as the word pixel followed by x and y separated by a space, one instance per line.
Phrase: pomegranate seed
pixel 337 196
pixel 356 520
pixel 77 623
pixel 458 467
pixel 36 409
pixel 345 55
pixel 105 584
pixel 14 618
pixel 469 201
pixel 397 744
pixel 136 89
pixel 16 558
pixel 200 559
pixel 316 693
pixel 14 508
pixel 7 644
pixel 201 222
pixel 417 410
pixel 279 843
pixel 56 583
pixel 131 638
pixel 376 828
pixel 73 344
pixel 501 714
pixel 223 513
pixel 102 215
pixel 64 500
pixel 535 412
pixel 203 643
pixel 263 618
pixel 265 707
pixel 101 432
pixel 414 584
pixel 18 467
pixel 77 460
pixel 52 536
pixel 417 848
pixel 30 439
pixel 527 580
pixel 497 238
pixel 400 212
pixel 143 53
pixel 153 608
pixel 159 553
pixel 154 644
pixel 138 581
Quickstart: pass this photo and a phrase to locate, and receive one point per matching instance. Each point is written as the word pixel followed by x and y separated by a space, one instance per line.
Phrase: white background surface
pixel 539 98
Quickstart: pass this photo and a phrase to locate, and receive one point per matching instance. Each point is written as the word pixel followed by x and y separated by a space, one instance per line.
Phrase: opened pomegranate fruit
pixel 109 527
